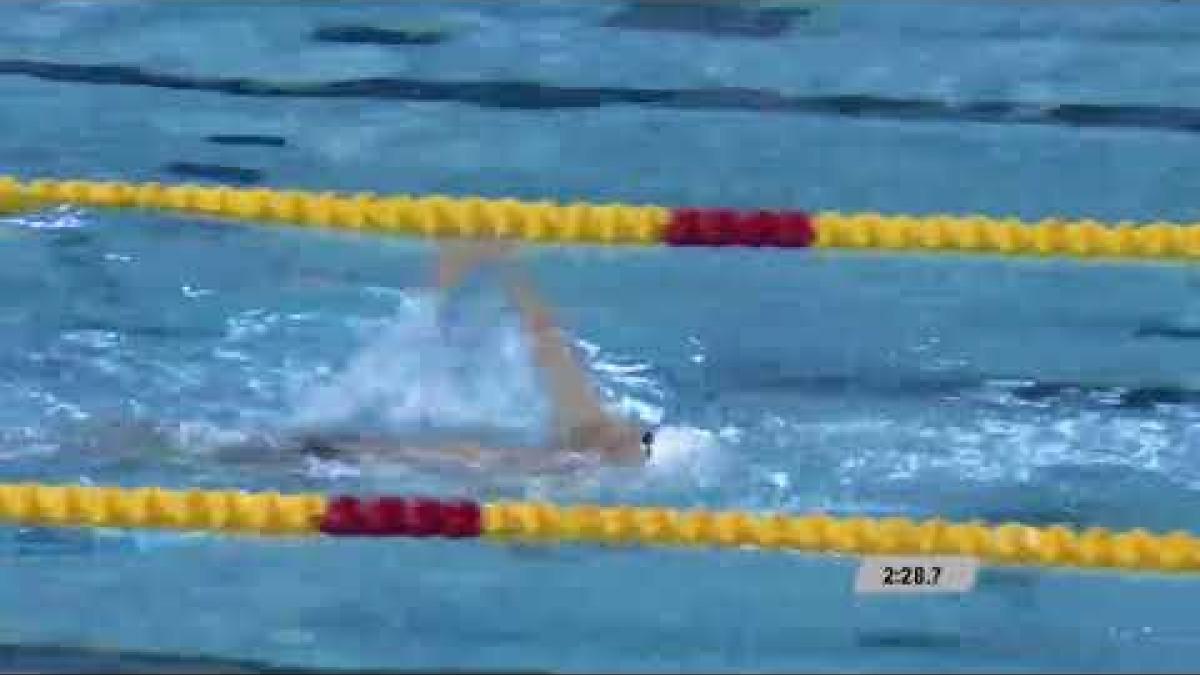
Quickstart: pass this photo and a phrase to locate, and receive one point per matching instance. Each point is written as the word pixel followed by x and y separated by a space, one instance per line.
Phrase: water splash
pixel 427 374
pixel 57 218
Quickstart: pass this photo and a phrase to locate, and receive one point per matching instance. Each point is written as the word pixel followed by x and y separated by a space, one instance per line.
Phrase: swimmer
pixel 582 429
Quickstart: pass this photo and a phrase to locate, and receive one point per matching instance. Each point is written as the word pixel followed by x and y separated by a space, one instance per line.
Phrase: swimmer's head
pixel 686 451
pixel 616 441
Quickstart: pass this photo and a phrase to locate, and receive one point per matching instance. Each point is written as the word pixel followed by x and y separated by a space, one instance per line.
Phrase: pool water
pixel 1039 391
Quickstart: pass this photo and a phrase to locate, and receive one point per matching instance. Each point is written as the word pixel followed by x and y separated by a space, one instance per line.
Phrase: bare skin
pixel 583 431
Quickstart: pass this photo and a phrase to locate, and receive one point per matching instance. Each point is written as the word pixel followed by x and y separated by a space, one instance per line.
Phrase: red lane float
pixel 395 516
pixel 727 227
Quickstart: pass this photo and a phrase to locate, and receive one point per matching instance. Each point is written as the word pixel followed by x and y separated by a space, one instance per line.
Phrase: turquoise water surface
pixel 1041 391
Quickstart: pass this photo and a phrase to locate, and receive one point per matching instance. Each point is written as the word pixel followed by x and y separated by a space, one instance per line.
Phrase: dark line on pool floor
pixel 1115 35
pixel 51 658
pixel 215 172
pixel 68 659
pixel 715 19
pixel 524 95
pixel 1168 331
pixel 247 139
pixel 909 639
pixel 372 35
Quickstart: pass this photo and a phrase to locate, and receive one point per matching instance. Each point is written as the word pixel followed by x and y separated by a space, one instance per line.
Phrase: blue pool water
pixel 1039 391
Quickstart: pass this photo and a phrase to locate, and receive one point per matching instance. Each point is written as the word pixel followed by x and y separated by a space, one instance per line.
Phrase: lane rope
pixel 548 222
pixel 270 513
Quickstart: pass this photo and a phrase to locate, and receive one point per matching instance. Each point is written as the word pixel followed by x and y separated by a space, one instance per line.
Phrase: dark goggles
pixel 648 443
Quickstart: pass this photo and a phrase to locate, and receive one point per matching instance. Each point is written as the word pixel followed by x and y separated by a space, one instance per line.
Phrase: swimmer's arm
pixel 384 451
pixel 529 461
pixel 457 259
pixel 574 400
pixel 454 262
pixel 523 459
pixel 541 462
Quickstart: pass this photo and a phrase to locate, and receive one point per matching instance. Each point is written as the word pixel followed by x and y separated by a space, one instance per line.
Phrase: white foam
pixel 685 450
pixel 58 218
pixel 409 378
pixel 329 469
pixel 647 412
